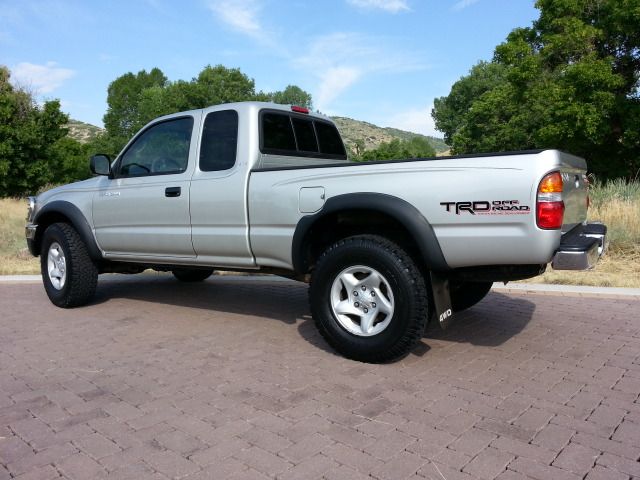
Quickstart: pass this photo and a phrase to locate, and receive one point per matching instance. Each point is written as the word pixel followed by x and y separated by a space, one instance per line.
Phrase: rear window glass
pixel 329 139
pixel 305 135
pixel 297 135
pixel 219 141
pixel 277 132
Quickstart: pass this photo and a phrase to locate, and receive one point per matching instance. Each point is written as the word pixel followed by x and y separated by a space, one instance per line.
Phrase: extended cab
pixel 260 187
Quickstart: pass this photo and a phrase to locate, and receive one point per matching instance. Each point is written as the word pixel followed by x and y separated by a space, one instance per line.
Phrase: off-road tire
pixel 466 294
pixel 192 274
pixel 81 271
pixel 407 285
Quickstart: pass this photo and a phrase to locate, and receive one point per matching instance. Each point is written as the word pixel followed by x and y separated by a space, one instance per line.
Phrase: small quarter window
pixel 219 141
pixel 329 139
pixel 277 132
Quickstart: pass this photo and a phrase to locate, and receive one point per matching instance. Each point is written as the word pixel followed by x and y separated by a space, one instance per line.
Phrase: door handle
pixel 172 191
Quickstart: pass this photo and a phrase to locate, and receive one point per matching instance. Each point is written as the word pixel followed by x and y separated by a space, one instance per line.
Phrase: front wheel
pixel 368 299
pixel 69 275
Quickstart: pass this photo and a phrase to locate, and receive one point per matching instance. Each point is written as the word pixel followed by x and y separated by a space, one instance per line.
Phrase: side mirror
pixel 100 164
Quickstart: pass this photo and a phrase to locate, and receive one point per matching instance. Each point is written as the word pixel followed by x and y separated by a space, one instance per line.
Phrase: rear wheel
pixel 69 275
pixel 192 274
pixel 368 299
pixel 466 294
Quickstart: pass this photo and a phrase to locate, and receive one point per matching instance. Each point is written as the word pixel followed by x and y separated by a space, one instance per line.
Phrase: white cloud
pixel 417 120
pixel 462 4
pixel 333 82
pixel 392 6
pixel 340 60
pixel 42 78
pixel 241 15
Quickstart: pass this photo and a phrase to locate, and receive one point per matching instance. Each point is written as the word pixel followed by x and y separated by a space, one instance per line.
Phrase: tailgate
pixel 574 190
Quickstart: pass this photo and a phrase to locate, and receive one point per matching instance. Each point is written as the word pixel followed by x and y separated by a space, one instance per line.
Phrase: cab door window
pixel 162 149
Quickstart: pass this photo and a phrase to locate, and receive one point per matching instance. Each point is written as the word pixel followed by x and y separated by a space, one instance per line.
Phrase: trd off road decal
pixel 484 207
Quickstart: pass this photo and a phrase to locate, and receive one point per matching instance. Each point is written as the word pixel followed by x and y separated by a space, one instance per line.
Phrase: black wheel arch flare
pixel 400 210
pixel 59 210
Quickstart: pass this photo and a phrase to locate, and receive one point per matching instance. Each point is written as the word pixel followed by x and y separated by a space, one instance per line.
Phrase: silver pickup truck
pixel 258 187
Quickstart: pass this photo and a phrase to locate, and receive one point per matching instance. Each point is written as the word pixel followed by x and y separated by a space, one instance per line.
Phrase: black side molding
pixel 400 210
pixel 57 211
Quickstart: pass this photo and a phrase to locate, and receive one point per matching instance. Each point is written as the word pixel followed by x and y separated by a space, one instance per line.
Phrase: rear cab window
pixel 219 141
pixel 299 135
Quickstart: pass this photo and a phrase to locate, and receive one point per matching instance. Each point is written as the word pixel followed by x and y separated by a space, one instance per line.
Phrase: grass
pixel 15 259
pixel 616 203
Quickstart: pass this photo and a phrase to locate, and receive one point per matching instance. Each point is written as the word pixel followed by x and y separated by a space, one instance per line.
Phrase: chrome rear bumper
pixel 581 248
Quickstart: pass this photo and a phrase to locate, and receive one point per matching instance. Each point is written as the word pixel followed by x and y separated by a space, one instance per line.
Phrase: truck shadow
pixel 490 323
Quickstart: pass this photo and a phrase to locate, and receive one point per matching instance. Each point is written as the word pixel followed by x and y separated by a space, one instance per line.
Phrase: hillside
pixel 352 130
pixel 82 132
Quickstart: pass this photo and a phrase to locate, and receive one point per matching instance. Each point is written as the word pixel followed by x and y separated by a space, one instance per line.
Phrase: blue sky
pixel 382 61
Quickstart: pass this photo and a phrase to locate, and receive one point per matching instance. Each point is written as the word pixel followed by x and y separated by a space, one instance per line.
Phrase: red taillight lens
pixel 550 214
pixel 297 109
pixel 550 207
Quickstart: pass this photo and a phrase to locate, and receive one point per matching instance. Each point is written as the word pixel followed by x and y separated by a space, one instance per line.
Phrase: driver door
pixel 143 211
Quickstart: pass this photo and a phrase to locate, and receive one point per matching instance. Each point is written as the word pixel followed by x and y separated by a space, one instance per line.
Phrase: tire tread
pixel 82 273
pixel 421 306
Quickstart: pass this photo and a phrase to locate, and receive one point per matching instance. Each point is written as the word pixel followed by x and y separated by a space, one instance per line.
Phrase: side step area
pixel 581 248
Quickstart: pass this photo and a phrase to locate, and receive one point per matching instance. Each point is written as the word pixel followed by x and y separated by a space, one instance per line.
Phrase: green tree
pixel 32 140
pixel 397 149
pixel 292 95
pixel 134 100
pixel 570 81
pixel 123 117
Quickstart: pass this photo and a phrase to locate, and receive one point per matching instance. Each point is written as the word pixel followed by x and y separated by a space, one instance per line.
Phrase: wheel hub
pixel 56 266
pixel 362 301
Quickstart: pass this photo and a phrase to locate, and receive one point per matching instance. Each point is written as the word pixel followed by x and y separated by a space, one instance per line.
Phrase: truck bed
pixel 438 187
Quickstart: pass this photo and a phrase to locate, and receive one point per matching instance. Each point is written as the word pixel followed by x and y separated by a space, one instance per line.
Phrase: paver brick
pixel 171 464
pixel 620 464
pixel 219 452
pixel 39 473
pixel 79 467
pixel 576 458
pixel 390 445
pixel 451 458
pixel 400 467
pixel 628 433
pixel 488 464
pixel 41 458
pixel 541 471
pixel 352 457
pixel 522 449
pixel 602 473
pixel 207 385
pixel 96 446
pixel 342 472
pixel 263 461
pixel 473 441
pixel 609 446
pixel 553 437
pixel 310 468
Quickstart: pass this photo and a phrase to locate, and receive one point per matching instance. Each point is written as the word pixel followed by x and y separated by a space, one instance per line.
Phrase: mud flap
pixel 441 299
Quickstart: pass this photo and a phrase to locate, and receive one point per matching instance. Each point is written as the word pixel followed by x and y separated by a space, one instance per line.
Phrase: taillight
pixel 549 206
pixel 297 109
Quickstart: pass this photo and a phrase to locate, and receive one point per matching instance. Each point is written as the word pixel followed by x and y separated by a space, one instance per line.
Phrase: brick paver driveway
pixel 226 379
